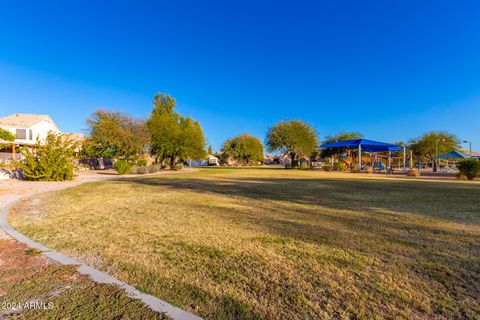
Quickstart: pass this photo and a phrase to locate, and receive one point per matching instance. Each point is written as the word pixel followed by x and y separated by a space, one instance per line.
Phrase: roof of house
pixel 474 153
pixel 24 120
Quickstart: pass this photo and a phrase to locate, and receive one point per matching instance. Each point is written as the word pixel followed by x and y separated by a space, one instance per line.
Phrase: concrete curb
pixel 98 276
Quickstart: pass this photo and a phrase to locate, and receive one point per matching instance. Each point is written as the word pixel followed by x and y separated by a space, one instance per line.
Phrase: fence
pixel 8 157
pixel 97 163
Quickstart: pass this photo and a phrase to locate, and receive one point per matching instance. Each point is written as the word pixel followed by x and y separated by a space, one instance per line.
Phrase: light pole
pixel 436 151
pixel 470 147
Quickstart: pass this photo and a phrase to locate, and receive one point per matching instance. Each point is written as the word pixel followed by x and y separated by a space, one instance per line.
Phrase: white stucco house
pixel 26 128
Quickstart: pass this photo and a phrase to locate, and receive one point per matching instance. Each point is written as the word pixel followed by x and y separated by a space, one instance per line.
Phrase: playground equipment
pixel 379 163
pixel 376 150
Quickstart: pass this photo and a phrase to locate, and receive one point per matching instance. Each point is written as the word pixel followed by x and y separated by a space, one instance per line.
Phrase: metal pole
pixel 389 160
pixel 404 159
pixel 436 153
pixel 360 156
pixel 470 143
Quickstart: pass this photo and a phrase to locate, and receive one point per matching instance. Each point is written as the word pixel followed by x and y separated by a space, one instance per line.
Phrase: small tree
pixel 244 148
pixel 295 137
pixel 210 149
pixel 53 160
pixel 115 134
pixel 469 167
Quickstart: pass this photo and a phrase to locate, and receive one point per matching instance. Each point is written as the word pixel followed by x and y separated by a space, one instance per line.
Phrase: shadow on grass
pixel 365 228
pixel 449 201
pixel 367 216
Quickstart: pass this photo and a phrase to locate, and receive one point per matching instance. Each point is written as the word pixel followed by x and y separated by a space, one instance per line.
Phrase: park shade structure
pixel 454 155
pixel 364 145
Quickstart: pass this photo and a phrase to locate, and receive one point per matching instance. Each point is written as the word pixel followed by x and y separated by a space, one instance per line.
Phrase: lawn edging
pixel 97 276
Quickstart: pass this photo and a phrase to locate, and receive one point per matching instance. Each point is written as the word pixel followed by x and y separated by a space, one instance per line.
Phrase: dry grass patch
pixel 264 243
pixel 60 292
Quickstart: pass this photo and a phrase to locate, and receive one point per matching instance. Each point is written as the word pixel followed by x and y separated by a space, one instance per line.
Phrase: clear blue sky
pixel 389 69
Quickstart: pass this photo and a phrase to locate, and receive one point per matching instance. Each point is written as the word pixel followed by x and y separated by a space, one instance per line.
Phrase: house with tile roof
pixel 474 153
pixel 27 128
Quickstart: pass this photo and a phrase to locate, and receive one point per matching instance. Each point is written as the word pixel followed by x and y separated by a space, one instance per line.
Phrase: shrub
pixel 7 136
pixel 469 167
pixel 340 166
pixel 327 167
pixel 154 168
pixel 139 170
pixel 413 173
pixel 356 169
pixel 52 160
pixel 303 166
pixel 460 176
pixel 179 166
pixel 141 163
pixel 122 166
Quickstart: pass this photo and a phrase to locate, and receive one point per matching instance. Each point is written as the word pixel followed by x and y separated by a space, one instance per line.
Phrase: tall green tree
pixel 115 134
pixel 294 137
pixel 173 136
pixel 244 148
pixel 426 145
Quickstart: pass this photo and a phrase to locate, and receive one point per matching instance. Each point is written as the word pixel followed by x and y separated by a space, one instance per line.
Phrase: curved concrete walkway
pixel 98 276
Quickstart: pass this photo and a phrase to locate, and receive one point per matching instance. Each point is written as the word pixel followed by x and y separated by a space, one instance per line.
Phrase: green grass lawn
pixel 276 244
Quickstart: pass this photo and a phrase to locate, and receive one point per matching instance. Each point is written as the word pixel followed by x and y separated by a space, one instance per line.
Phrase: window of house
pixel 31 134
pixel 21 134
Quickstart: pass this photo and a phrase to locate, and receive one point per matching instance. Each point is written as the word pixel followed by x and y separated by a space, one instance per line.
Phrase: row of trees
pixel 297 138
pixel 166 135
pixel 294 137
pixel 170 137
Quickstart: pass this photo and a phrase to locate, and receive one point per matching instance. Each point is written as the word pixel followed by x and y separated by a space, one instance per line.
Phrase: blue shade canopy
pixel 453 155
pixel 367 145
